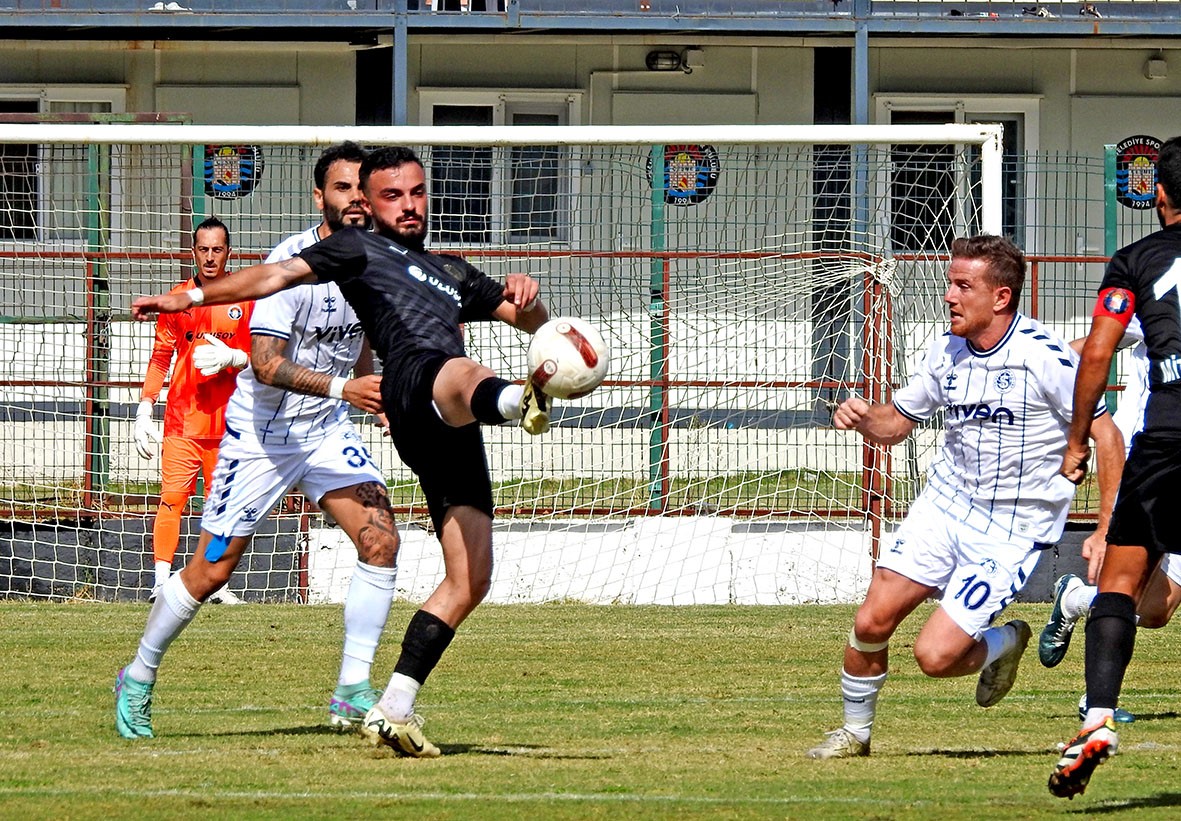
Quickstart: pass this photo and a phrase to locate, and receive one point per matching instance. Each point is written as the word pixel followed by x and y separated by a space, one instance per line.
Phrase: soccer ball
pixel 567 358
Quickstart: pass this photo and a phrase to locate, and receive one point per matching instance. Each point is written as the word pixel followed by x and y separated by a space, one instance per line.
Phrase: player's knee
pixel 378 546
pixel 479 587
pixel 869 633
pixel 173 501
pixel 1152 620
pixel 935 661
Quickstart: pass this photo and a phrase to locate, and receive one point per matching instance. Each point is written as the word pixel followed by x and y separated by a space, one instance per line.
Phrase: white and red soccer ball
pixel 567 358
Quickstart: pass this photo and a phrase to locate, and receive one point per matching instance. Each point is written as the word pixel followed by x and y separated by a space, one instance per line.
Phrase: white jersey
pixel 1129 416
pixel 323 335
pixel 1006 414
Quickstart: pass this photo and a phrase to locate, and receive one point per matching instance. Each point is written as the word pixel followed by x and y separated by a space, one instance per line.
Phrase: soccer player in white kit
pixel 994 498
pixel 287 424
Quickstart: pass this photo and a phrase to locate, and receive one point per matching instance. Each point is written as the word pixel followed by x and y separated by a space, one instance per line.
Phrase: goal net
pixel 746 279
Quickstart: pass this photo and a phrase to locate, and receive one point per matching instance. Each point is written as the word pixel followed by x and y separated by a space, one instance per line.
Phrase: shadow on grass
pixel 512 750
pixel 1164 799
pixel 519 751
pixel 979 753
pixel 1169 716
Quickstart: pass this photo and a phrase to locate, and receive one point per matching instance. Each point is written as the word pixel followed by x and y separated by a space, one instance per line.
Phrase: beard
pixel 336 219
pixel 413 240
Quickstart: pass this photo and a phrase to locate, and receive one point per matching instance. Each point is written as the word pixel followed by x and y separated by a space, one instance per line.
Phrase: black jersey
pixel 1151 270
pixel 409 303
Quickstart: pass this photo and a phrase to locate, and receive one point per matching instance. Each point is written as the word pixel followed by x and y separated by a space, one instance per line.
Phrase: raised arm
pixel 248 283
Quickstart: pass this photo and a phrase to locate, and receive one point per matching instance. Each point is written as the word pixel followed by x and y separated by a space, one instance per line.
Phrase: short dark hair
pixel 212 222
pixel 348 151
pixel 390 156
pixel 1006 262
pixel 1168 170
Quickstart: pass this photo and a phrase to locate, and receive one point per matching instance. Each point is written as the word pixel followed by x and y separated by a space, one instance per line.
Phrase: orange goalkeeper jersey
pixel 196 406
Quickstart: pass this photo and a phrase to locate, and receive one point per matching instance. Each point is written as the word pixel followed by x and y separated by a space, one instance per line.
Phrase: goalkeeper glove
pixel 145 430
pixel 217 356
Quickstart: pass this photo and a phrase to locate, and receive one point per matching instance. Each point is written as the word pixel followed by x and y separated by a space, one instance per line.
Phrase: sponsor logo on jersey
pixel 1004 381
pixel 982 412
pixel 417 273
pixel 1169 370
pixel 336 333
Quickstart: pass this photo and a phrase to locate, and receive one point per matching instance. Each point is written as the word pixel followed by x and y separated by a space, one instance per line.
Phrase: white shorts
pixel 1170 565
pixel 978 574
pixel 251 478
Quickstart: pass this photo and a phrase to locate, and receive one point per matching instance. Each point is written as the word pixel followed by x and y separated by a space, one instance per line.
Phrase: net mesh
pixel 743 293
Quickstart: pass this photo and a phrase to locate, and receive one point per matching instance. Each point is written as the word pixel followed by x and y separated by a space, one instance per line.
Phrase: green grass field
pixel 553 711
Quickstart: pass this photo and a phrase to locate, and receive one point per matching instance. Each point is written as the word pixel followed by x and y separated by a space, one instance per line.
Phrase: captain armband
pixel 865 646
pixel 1117 303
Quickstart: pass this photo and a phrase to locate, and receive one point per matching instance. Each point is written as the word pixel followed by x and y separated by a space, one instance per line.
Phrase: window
pixel 923 179
pixel 31 175
pixel 484 195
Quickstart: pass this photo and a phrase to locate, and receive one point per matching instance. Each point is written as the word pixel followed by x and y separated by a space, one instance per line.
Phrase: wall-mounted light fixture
pixel 669 60
pixel 1156 68
pixel 663 61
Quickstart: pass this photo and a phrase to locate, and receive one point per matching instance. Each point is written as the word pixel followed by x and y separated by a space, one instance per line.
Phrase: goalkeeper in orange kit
pixel 209 344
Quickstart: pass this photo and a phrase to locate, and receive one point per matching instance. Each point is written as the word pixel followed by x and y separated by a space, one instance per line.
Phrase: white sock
pixel 163 571
pixel 509 401
pixel 366 608
pixel 172 612
pixel 397 702
pixel 1097 715
pixel 1077 602
pixel 860 697
pixel 998 641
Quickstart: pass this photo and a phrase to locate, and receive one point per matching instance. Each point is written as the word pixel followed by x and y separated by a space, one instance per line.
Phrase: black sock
pixel 1111 635
pixel 427 636
pixel 486 400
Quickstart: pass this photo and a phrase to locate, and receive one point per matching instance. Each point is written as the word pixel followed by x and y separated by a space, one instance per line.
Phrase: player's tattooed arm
pixel 276 370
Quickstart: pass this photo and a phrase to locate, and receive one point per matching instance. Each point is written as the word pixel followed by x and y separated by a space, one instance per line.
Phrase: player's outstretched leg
pixel 133 706
pixel 1080 756
pixel 350 703
pixel 996 680
pixel 1055 637
pixel 405 737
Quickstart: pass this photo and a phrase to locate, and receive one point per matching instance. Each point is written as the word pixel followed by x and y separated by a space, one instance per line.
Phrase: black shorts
pixel 1144 513
pixel 449 462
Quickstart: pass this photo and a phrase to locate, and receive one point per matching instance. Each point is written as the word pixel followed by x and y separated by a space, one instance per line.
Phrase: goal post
pixel 746 277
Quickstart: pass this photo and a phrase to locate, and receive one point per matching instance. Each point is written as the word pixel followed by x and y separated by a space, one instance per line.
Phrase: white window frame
pixel 975 108
pixel 566 103
pixel 115 96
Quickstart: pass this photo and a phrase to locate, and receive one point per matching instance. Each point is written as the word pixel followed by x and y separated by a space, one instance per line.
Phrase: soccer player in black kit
pixel 410 303
pixel 1142 278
